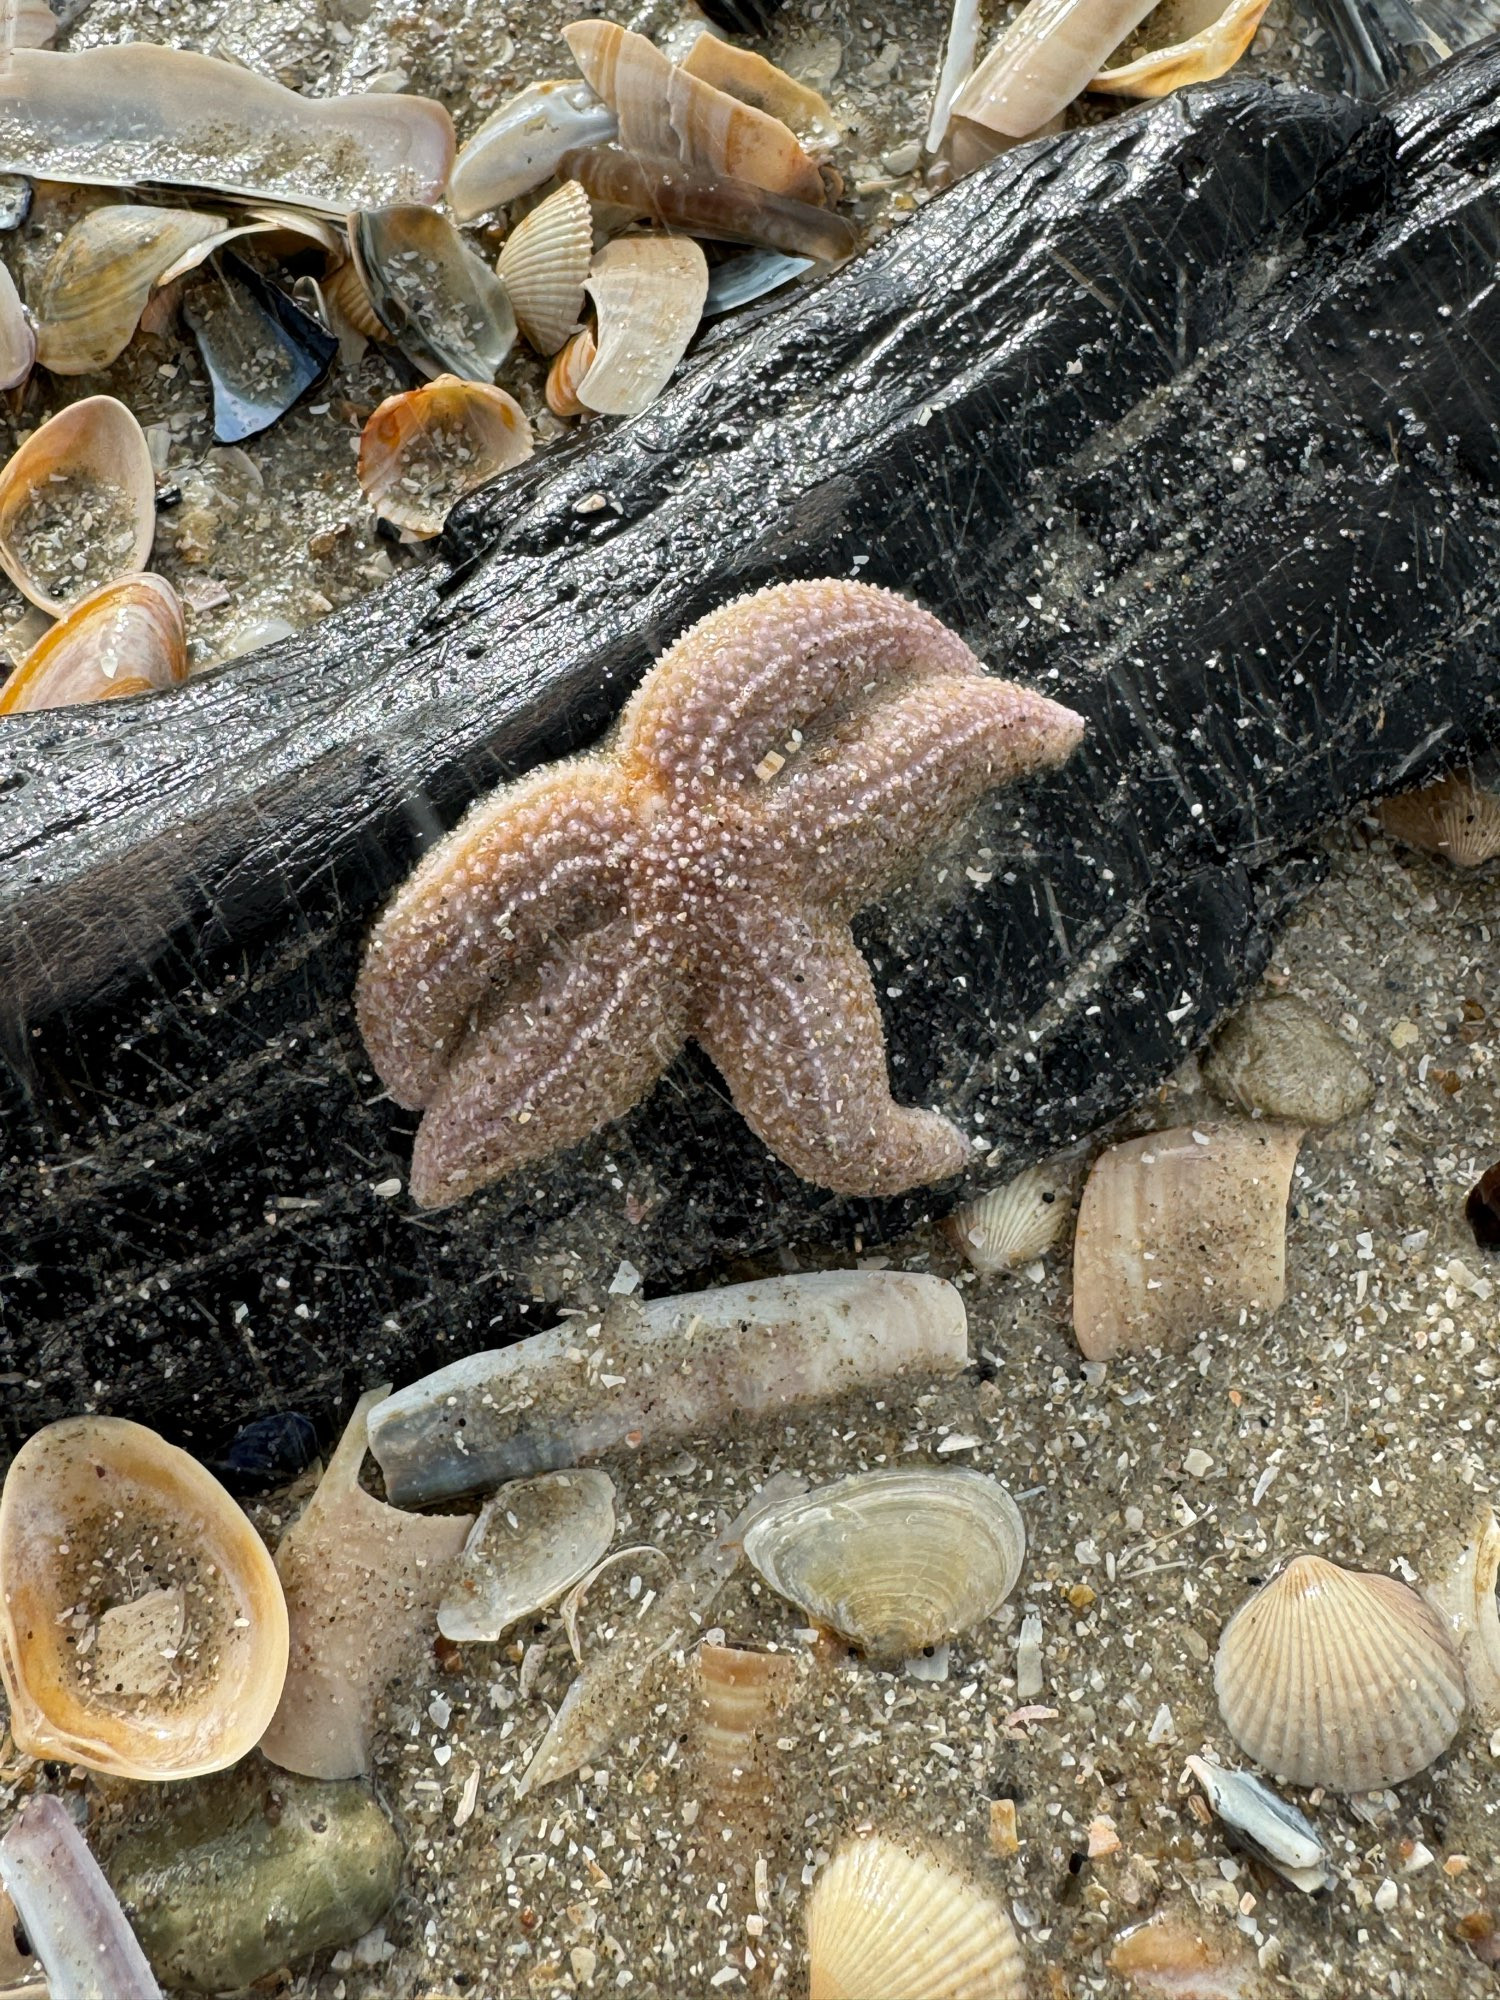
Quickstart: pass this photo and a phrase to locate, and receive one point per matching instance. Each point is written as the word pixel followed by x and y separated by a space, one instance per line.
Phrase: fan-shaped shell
pixel 348 293
pixel 124 638
pixel 649 291
pixel 532 1540
pixel 1011 1225
pixel 424 449
pixel 80 485
pixel 1453 817
pixel 94 290
pixel 894 1561
pixel 569 367
pixel 887 1923
pixel 544 264
pixel 1341 1678
pixel 142 1630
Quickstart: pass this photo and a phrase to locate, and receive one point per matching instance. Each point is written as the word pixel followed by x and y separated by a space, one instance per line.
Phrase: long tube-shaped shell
pixel 1043 60
pixel 712 205
pixel 96 284
pixel 520 145
pixel 649 293
pixel 124 638
pixel 71 1915
pixel 1197 58
pixel 17 335
pixel 98 445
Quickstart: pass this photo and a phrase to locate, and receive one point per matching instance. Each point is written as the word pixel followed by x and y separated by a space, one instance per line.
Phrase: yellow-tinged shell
pixel 1340 1678
pixel 142 1630
pixel 741 73
pixel 887 1923
pixel 1011 1225
pixel 649 292
pixel 544 264
pixel 569 367
pixel 80 486
pixel 1199 49
pixel 1454 817
pixel 424 449
pixel 92 293
pixel 124 638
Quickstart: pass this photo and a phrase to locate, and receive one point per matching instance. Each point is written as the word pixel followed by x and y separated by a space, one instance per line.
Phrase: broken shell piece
pixel 741 1697
pixel 423 449
pixel 544 263
pixel 262 352
pixel 520 145
pixel 1340 1678
pixel 741 73
pixel 363 1582
pixel 894 1561
pixel 279 232
pixel 1454 817
pixel 1275 1831
pixel 885 1922
pixel 711 205
pixel 1011 1225
pixel 1179 1233
pixel 91 295
pixel 532 1541
pixel 17 335
pixel 699 1361
pixel 1190 41
pixel 443 306
pixel 81 485
pixel 120 1552
pixel 1277 1057
pixel 345 290
pixel 125 638
pixel 1171 1959
pixel 1464 1598
pixel 1042 61
pixel 568 369
pixel 649 291
pixel 741 280
pixel 71 1916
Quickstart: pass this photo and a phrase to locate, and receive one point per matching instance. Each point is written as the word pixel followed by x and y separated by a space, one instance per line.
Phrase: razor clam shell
pixel 261 350
pixel 522 144
pixel 136 113
pixel 423 449
pixel 1043 60
pixel 94 289
pixel 125 638
pixel 1463 1596
pixel 738 281
pixel 71 1916
pixel 97 440
pixel 544 264
pixel 1455 817
pixel 885 1920
pixel 1278 1058
pixel 894 1561
pixel 1011 1225
pixel 695 1362
pixel 649 293
pixel 742 74
pixel 959 52
pixel 1271 1827
pixel 714 206
pixel 17 335
pixel 1340 1678
pixel 1198 56
pixel 533 1540
pixel 569 366
pixel 443 306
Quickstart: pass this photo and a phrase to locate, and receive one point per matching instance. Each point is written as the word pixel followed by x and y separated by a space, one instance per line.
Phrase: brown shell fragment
pixel 741 73
pixel 569 367
pixel 1189 43
pixel 1454 817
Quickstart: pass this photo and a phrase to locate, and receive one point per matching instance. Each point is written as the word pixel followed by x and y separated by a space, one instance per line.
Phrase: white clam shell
pixel 544 264
pixel 1340 1678
pixel 897 1560
pixel 91 296
pixel 94 452
pixel 1454 817
pixel 649 292
pixel 532 1541
pixel 1464 1598
pixel 1045 57
pixel 125 638
pixel 423 449
pixel 519 146
pixel 887 1923
pixel 1192 41
pixel 1011 1225
pixel 17 334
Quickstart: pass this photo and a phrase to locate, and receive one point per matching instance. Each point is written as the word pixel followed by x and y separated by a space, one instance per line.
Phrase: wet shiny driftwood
pixel 1188 418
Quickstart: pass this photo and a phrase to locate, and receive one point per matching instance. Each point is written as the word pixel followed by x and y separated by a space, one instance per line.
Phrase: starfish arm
pixel 792 1025
pixel 550 854
pixel 738 685
pixel 540 1073
pixel 871 799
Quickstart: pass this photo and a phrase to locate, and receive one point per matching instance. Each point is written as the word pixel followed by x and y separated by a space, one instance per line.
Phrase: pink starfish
pixel 786 763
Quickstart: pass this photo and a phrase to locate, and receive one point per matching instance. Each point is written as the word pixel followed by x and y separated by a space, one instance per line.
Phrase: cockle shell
pixel 544 263
pixel 741 73
pixel 346 291
pixel 142 1630
pixel 887 1922
pixel 443 306
pixel 1011 1225
pixel 124 638
pixel 81 485
pixel 1192 41
pixel 1340 1678
pixel 95 287
pixel 532 1541
pixel 423 449
pixel 897 1560
pixel 569 367
pixel 1045 57
pixel 17 334
pixel 519 146
pixel 1454 817
pixel 649 292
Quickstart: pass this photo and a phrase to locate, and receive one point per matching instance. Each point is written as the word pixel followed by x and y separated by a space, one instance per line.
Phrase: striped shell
pixel 544 264
pixel 347 292
pixel 124 638
pixel 92 294
pixel 649 291
pixel 1340 1678
pixel 1012 1224
pixel 423 449
pixel 568 369
pixel 1453 817
pixel 885 1923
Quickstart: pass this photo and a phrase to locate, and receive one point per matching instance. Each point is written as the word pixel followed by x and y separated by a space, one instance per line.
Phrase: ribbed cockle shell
pixel 544 263
pixel 649 291
pixel 885 1922
pixel 124 638
pixel 425 448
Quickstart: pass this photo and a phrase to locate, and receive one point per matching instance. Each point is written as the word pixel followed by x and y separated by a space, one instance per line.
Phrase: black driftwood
pixel 1189 418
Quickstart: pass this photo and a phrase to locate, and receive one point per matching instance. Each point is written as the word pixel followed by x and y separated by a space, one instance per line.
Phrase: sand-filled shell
pixel 649 291
pixel 124 638
pixel 886 1922
pixel 81 486
pixel 17 334
pixel 544 263
pixel 143 1630
pixel 1455 817
pixel 519 146
pixel 1277 1057
pixel 443 306
pixel 569 367
pixel 1047 54
pixel 1011 1225
pixel 1187 41
pixel 894 1561
pixel 1179 1233
pixel 423 449
pixel 1340 1678
pixel 533 1540
pixel 95 287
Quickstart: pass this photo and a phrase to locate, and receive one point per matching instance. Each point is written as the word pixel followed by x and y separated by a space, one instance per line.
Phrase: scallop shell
pixel 1045 57
pixel 95 287
pixel 91 458
pixel 423 449
pixel 443 306
pixel 1340 1678
pixel 1453 817
pixel 569 367
pixel 533 1539
pixel 1011 1225
pixel 649 291
pixel 894 1561
pixel 121 1556
pixel 519 146
pixel 1192 44
pixel 124 638
pixel 544 264
pixel 887 1923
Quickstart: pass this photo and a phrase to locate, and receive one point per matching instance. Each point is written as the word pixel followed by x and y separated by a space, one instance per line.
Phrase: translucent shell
pixel 1340 1678
pixel 894 1561
pixel 569 367
pixel 1011 1225
pixel 81 484
pixel 124 638
pixel 1045 57
pixel 519 146
pixel 533 1539
pixel 443 306
pixel 17 334
pixel 544 263
pixel 885 1923
pixel 423 449
pixel 95 287
pixel 143 1630
pixel 649 291
pixel 1453 817
pixel 1197 41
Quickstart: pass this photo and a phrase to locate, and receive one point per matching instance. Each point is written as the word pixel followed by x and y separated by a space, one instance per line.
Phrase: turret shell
pixel 885 1922
pixel 80 485
pixel 423 449
pixel 124 638
pixel 544 263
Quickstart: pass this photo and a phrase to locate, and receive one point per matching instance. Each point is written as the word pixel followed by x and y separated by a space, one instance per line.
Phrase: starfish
pixel 781 767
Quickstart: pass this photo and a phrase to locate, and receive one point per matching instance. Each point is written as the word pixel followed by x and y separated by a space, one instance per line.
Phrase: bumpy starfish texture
pixel 783 765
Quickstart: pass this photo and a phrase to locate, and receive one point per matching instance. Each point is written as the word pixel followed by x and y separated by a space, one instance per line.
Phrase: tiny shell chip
pixel 1454 817
pixel 1011 1225
pixel 533 1539
pixel 894 1561
pixel 887 1923
pixel 544 264
pixel 649 291
pixel 1279 1058
pixel 1340 1678
pixel 423 449
pixel 1180 1232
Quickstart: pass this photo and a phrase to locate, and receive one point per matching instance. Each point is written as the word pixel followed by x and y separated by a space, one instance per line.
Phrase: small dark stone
pixel 268 1452
pixel 1483 1209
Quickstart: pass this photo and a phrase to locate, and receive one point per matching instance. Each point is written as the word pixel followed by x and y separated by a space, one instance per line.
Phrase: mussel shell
pixel 262 352
pixel 100 442
pixel 125 638
pixel 444 308
pixel 95 287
